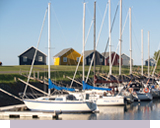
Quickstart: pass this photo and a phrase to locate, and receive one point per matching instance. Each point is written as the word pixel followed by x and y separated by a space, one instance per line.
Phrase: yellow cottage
pixel 67 57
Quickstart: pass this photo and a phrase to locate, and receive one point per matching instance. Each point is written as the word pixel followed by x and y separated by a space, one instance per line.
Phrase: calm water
pixel 147 110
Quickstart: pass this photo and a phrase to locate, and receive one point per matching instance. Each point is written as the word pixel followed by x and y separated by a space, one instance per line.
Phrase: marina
pixel 146 110
pixel 97 93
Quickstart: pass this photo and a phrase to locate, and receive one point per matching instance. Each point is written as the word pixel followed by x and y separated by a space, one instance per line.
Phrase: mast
pixel 94 42
pixel 110 63
pixel 142 51
pixel 120 38
pixel 49 44
pixel 148 55
pixel 84 9
pixel 130 28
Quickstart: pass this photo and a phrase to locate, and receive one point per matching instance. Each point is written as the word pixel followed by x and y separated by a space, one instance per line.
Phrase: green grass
pixel 58 72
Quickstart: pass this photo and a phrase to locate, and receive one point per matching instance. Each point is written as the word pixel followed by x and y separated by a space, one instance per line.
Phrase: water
pixel 146 110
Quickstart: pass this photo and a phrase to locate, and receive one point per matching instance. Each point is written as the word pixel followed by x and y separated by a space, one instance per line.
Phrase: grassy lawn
pixel 58 72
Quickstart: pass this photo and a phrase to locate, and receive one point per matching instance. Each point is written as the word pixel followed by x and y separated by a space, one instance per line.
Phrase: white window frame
pixel 78 59
pixel 101 60
pixel 40 58
pixel 64 59
pixel 24 58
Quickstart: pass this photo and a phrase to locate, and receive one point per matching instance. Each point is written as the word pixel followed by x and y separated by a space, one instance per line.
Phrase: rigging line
pixel 119 42
pixel 152 70
pixel 60 29
pixel 97 40
pixel 35 54
pixel 110 31
pixel 82 53
pixel 158 55
pixel 114 56
pixel 105 11
pixel 89 11
pixel 108 38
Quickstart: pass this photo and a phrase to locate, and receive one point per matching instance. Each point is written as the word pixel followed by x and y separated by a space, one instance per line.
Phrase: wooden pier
pixel 21 112
pixel 28 115
pixel 14 107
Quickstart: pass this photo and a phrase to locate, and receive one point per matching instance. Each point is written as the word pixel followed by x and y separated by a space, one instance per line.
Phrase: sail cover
pixel 86 86
pixel 51 85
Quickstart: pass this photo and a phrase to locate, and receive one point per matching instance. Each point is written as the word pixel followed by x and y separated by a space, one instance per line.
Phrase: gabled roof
pixel 31 48
pixel 88 52
pixel 125 55
pixel 106 54
pixel 151 59
pixel 62 52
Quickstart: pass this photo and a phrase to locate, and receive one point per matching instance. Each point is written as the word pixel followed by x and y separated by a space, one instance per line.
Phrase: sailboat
pixel 98 93
pixel 59 103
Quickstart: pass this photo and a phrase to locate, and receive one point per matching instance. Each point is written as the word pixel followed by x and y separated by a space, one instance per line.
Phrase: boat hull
pixel 143 96
pixel 155 93
pixel 60 106
pixel 110 101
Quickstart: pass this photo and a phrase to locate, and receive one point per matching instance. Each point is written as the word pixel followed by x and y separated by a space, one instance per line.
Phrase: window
pixel 24 58
pixel 77 59
pixel 101 60
pixel 64 59
pixel 40 58
pixel 108 60
pixel 89 60
pixel 59 99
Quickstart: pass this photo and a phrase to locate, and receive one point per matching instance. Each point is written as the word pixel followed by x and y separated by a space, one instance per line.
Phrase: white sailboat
pixel 96 93
pixel 59 103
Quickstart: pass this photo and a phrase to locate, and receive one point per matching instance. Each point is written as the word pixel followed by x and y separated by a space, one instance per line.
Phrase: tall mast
pixel 148 55
pixel 84 9
pixel 142 51
pixel 130 28
pixel 110 65
pixel 94 42
pixel 49 45
pixel 120 37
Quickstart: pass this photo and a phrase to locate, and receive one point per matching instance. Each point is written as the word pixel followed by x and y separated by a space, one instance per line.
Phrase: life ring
pixel 146 90
pixel 130 90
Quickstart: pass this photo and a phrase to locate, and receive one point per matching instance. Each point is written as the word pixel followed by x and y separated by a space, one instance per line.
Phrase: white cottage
pixel 126 60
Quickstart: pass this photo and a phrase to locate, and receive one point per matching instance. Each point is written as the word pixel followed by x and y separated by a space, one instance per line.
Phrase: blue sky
pixel 21 21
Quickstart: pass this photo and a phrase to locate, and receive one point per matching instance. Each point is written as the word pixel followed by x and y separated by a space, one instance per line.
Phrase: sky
pixel 21 22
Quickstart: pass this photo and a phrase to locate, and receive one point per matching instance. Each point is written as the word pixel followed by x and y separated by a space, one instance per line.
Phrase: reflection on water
pixel 78 116
pixel 147 110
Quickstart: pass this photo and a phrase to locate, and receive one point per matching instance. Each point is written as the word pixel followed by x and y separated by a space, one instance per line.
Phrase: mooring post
pixel 37 74
pixel 15 79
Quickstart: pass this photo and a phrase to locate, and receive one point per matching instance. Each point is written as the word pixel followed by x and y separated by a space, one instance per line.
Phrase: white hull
pixel 96 95
pixel 113 100
pixel 143 96
pixel 60 106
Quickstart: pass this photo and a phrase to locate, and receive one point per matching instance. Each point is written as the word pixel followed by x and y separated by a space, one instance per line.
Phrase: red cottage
pixel 116 60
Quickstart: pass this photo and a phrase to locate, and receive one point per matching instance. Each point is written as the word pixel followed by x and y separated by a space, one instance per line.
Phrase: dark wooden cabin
pixel 99 59
pixel 27 56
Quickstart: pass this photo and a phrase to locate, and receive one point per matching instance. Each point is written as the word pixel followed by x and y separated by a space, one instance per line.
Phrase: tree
pixel 156 54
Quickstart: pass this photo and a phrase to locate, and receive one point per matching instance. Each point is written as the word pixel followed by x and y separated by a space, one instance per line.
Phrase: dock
pixel 28 115
pixel 14 107
pixel 20 112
